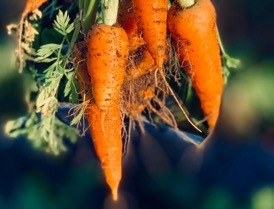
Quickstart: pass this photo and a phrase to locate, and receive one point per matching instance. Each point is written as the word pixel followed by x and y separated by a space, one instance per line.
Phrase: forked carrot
pixel 151 17
pixel 194 32
pixel 143 62
pixel 127 21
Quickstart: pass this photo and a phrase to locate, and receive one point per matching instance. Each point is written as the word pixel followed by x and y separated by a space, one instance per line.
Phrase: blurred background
pixel 234 170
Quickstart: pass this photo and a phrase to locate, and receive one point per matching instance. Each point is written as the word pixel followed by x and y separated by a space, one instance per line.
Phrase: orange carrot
pixel 107 140
pixel 194 31
pixel 107 148
pixel 107 56
pixel 137 45
pixel 144 66
pixel 127 21
pixel 151 17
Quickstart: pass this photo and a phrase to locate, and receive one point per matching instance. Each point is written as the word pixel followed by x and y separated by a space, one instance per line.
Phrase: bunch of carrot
pixel 144 24
pixel 143 27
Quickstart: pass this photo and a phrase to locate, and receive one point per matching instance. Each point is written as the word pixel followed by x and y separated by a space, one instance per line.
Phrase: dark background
pixel 161 170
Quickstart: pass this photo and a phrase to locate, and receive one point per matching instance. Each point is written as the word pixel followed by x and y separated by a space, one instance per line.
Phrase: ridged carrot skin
pixel 106 61
pixel 151 17
pixel 108 51
pixel 127 21
pixel 195 32
pixel 106 134
pixel 105 128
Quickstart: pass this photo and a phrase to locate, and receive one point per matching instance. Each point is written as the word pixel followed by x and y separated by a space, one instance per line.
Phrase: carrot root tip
pixel 115 194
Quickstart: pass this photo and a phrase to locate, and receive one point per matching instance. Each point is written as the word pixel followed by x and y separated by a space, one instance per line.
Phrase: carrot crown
pixel 110 11
pixel 186 3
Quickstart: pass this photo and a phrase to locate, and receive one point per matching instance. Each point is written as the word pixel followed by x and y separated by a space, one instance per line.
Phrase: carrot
pixel 194 31
pixel 143 66
pixel 142 59
pixel 151 17
pixel 106 135
pixel 107 55
pixel 127 21
pixel 101 128
pixel 106 61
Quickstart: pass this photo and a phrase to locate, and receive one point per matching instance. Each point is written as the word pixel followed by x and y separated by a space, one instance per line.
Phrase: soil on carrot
pixel 146 94
pixel 140 95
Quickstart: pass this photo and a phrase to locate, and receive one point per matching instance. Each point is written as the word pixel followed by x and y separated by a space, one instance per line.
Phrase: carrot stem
pixel 110 11
pixel 236 62
pixel 221 43
pixel 89 8
pixel 186 3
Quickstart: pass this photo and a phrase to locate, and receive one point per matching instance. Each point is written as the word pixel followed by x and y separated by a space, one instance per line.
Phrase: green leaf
pixel 67 89
pixel 77 118
pixel 79 111
pixel 232 62
pixel 50 69
pixel 32 120
pixel 70 88
pixel 47 50
pixel 47 133
pixel 228 63
pixel 41 126
pixel 73 97
pixel 46 102
pixel 62 25
pixel 13 127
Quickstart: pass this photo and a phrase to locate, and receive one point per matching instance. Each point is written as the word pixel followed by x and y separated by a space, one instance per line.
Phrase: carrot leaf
pixel 70 88
pixel 48 134
pixel 42 126
pixel 228 61
pixel 79 111
pixel 62 25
